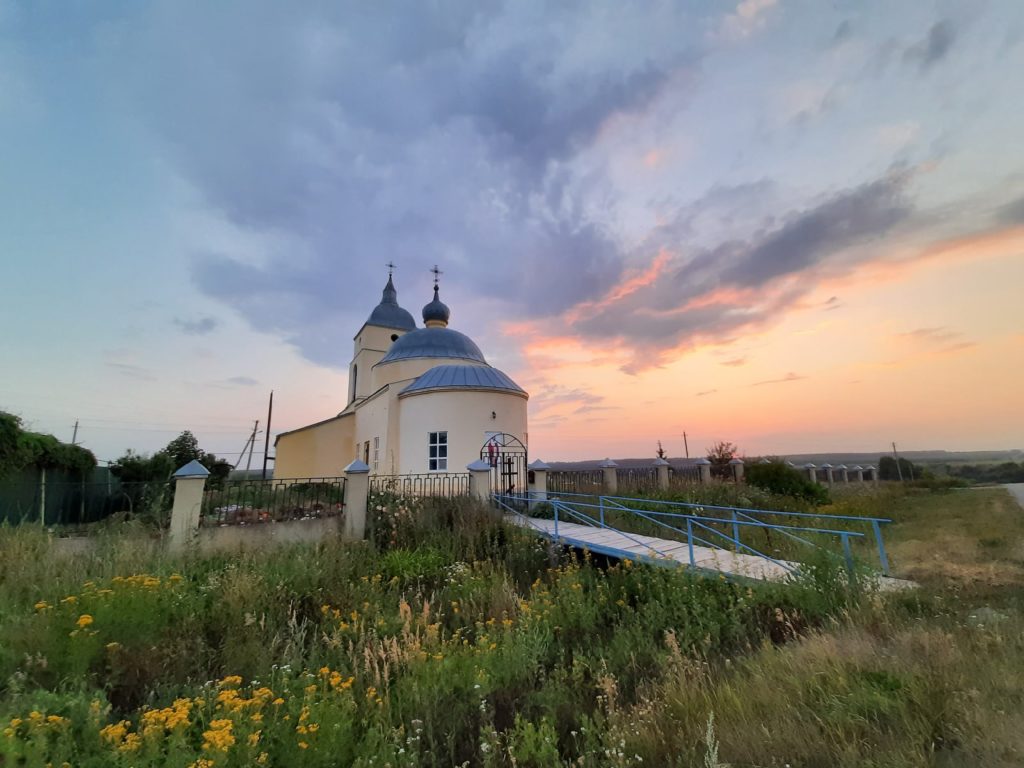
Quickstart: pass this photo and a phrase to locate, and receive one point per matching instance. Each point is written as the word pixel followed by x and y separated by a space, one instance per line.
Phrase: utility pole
pixel 686 445
pixel 270 413
pixel 252 445
pixel 899 472
pixel 74 436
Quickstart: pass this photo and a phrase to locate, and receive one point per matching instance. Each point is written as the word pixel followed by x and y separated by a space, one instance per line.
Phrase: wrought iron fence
pixel 576 481
pixel 683 475
pixel 446 484
pixel 269 501
pixel 638 478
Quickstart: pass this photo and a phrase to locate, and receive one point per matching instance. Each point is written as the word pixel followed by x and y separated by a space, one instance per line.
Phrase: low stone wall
pixel 223 538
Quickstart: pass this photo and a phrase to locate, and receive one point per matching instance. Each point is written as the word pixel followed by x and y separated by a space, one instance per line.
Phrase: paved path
pixel 619 544
pixel 1017 491
pixel 615 543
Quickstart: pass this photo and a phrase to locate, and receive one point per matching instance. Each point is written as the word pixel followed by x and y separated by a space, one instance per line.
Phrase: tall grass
pixel 451 639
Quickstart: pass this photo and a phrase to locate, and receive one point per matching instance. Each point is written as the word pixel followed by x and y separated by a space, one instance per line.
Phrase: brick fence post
pixel 662 466
pixel 610 481
pixel 539 487
pixel 829 477
pixel 357 489
pixel 189 483
pixel 480 480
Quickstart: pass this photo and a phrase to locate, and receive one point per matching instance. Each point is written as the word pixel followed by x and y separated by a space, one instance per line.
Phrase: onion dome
pixel 436 313
pixel 389 314
pixel 436 342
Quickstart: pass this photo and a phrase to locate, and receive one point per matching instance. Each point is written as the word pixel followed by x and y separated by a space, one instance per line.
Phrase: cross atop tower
pixel 391 267
pixel 437 274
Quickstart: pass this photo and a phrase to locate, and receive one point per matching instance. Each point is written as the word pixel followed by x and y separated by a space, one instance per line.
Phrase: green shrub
pixel 779 478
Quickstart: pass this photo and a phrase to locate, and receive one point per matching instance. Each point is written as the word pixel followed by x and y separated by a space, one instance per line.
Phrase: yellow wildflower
pixel 230 680
pixel 303 745
pixel 69 599
pixel 219 737
pixel 254 738
pixel 42 605
pixel 131 743
pixel 84 621
pixel 115 732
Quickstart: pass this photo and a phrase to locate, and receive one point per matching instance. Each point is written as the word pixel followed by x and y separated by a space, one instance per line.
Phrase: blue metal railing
pixel 874 523
pixel 739 519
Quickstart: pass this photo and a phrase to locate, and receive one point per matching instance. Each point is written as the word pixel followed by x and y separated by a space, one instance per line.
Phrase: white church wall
pixel 372 419
pixel 465 415
pixel 369 346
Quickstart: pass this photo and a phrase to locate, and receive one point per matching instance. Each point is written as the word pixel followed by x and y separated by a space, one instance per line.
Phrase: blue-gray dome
pixel 436 311
pixel 434 342
pixel 464 377
pixel 388 314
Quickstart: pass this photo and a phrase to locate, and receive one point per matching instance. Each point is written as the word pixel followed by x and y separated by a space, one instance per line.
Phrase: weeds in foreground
pixel 452 640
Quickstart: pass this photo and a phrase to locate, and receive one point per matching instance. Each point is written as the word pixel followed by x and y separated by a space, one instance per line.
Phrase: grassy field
pixel 453 640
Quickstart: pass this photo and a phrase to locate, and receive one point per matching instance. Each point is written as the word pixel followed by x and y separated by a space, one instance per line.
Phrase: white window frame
pixel 376 453
pixel 437 451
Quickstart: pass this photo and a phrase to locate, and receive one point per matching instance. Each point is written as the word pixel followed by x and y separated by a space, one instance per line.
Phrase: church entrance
pixel 507 456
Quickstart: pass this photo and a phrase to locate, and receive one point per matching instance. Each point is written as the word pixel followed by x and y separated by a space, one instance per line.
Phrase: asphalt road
pixel 1017 489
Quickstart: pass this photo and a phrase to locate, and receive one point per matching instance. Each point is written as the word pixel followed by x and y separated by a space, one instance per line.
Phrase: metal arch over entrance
pixel 506 456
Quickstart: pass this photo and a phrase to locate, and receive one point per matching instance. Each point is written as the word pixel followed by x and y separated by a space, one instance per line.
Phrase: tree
pixel 661 451
pixel 778 477
pixel 887 469
pixel 20 448
pixel 720 454
pixel 136 467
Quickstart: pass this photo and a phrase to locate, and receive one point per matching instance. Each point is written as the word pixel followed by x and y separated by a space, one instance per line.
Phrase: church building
pixel 420 400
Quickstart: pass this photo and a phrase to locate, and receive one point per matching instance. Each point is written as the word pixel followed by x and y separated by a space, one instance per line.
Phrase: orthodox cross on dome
pixel 391 267
pixel 437 274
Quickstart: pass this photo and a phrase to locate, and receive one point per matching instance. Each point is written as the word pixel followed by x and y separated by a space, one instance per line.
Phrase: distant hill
pixel 850 459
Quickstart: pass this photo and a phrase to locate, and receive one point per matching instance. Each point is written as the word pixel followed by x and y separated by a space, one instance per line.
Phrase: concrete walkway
pixel 618 544
pixel 1017 491
pixel 621 545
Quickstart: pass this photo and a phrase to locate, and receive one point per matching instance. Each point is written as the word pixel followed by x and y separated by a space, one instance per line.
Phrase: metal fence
pixel 683 475
pixel 53 499
pixel 270 501
pixel 638 478
pixel 576 481
pixel 445 484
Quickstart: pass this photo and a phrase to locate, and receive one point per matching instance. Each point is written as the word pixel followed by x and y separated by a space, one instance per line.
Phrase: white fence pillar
pixel 736 465
pixel 858 473
pixel 705 470
pixel 829 477
pixel 538 470
pixel 662 466
pixel 480 480
pixel 189 483
pixel 873 474
pixel 812 472
pixel 357 488
pixel 844 473
pixel 610 484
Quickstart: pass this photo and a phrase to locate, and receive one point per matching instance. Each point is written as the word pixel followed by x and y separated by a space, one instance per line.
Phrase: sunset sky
pixel 798 226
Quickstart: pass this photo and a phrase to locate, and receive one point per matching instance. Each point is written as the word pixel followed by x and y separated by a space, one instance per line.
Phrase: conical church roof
pixel 389 314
